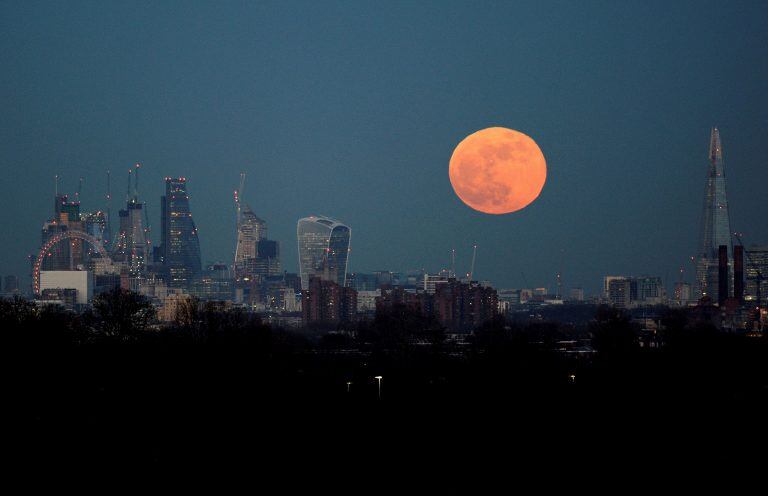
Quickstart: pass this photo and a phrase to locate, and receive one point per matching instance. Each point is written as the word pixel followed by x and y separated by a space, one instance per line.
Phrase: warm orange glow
pixel 497 170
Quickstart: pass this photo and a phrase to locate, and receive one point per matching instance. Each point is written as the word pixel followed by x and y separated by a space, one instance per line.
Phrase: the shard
pixel 715 223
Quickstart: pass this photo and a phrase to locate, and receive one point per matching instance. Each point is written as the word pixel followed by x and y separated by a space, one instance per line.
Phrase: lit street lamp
pixel 378 378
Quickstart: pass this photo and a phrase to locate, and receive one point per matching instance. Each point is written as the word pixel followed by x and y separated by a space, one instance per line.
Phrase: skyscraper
pixel 756 273
pixel 715 223
pixel 131 245
pixel 250 231
pixel 180 247
pixel 323 249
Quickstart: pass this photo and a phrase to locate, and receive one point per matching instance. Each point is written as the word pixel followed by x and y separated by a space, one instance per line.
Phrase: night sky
pixel 352 110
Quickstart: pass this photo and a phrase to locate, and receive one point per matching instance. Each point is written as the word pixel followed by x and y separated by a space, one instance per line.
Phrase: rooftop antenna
pixel 79 190
pixel 239 196
pixel 472 267
pixel 128 192
pixel 453 263
pixel 147 227
pixel 108 233
pixel 136 183
pixel 56 185
pixel 559 295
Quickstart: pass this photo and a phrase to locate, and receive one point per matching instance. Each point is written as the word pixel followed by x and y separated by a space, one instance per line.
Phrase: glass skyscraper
pixel 180 246
pixel 323 249
pixel 715 225
pixel 251 230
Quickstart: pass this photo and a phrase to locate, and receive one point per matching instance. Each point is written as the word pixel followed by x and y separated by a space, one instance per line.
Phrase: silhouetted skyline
pixel 352 110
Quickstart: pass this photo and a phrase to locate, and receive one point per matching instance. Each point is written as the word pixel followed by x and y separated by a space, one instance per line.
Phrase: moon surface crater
pixel 497 170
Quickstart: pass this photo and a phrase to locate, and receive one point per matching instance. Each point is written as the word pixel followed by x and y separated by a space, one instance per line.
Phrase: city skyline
pixel 560 236
pixel 624 191
pixel 131 219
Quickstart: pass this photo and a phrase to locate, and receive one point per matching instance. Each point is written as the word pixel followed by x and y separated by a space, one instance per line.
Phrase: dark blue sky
pixel 352 110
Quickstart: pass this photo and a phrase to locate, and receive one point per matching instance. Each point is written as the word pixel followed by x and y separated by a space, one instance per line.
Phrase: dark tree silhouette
pixel 612 331
pixel 123 313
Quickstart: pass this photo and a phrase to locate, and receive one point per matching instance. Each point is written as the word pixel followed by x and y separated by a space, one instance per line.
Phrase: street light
pixel 378 378
pixel 348 385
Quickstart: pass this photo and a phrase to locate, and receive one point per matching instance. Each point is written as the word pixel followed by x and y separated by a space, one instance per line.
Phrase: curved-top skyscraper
pixel 323 249
pixel 715 224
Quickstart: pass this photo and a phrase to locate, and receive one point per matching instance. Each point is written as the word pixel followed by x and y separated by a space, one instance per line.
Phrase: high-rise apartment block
pixel 326 302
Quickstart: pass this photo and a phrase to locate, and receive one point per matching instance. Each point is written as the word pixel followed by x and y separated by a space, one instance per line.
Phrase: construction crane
pixel 128 191
pixel 758 278
pixel 147 228
pixel 238 196
pixel 79 190
pixel 136 183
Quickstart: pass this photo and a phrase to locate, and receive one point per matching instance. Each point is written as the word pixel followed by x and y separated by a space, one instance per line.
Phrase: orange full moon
pixel 497 170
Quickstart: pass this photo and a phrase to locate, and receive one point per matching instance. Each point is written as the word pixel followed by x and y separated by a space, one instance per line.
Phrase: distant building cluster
pixel 84 253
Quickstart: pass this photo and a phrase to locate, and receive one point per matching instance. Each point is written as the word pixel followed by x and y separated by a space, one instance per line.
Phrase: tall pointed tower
pixel 715 222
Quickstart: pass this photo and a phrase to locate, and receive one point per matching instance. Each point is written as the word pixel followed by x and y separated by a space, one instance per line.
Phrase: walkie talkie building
pixel 323 249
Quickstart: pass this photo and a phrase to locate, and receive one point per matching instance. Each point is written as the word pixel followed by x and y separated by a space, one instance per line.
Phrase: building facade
pixel 81 281
pixel 755 272
pixel 180 246
pixel 250 231
pixel 715 225
pixel 326 302
pixel 323 249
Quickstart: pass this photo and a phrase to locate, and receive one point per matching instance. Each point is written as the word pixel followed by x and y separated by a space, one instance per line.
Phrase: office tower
pixel 738 273
pixel 214 284
pixel 650 290
pixel 682 293
pixel 323 249
pixel 267 263
pixel 131 247
pixel 629 292
pixel 755 274
pixel 180 246
pixel 96 225
pixel 250 231
pixel 715 225
pixel 618 291
pixel 722 274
